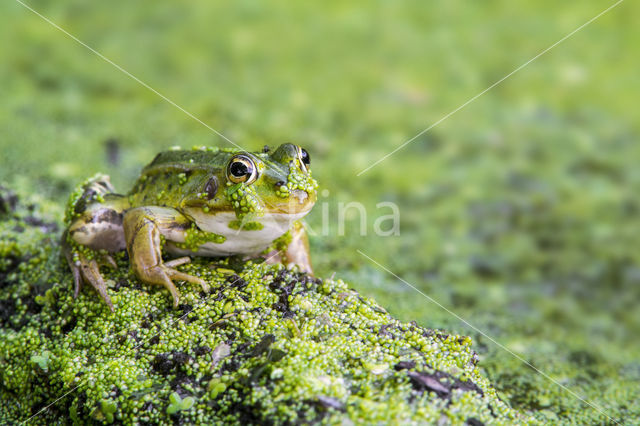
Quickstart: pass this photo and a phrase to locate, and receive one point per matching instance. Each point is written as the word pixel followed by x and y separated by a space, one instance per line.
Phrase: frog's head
pixel 250 198
pixel 277 182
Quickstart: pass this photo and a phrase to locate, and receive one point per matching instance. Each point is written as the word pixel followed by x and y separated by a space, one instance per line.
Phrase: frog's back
pixel 172 175
pixel 187 160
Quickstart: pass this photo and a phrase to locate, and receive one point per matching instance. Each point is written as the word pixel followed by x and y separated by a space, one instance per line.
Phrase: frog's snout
pixel 300 195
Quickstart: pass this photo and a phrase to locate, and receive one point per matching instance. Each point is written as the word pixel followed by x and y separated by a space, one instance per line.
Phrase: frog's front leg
pixel 143 228
pixel 295 250
pixel 298 249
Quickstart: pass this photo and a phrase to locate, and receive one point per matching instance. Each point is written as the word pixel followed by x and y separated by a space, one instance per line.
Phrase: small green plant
pixel 179 404
pixel 216 387
pixel 42 361
pixel 108 408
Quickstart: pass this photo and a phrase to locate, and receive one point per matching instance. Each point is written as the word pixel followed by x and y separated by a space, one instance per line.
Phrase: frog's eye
pixel 241 168
pixel 304 158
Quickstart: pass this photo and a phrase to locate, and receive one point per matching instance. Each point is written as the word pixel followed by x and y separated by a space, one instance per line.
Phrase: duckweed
pixel 244 199
pixel 195 237
pixel 298 180
pixel 89 191
pixel 246 226
pixel 266 345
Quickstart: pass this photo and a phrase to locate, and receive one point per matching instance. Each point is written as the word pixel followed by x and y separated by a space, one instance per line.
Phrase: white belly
pixel 238 241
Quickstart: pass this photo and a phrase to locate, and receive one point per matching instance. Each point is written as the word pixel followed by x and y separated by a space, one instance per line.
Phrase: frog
pixel 204 201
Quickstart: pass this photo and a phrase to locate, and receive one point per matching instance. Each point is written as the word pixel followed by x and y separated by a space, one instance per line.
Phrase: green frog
pixel 199 202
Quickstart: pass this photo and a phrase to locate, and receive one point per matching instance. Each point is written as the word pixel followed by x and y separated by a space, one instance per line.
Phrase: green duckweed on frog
pixel 198 202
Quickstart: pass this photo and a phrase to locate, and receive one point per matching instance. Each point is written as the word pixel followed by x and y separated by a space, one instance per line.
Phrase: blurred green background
pixel 520 213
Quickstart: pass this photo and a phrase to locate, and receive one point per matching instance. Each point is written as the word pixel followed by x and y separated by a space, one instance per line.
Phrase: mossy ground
pixel 519 212
pixel 267 345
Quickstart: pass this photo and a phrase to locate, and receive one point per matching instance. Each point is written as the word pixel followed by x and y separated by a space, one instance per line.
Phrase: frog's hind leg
pixel 86 270
pixel 94 217
pixel 143 228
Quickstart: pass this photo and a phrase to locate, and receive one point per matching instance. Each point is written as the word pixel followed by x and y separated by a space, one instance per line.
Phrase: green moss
pixel 268 345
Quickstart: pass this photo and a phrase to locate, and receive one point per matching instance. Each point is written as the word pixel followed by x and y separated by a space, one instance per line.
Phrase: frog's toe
pixel 91 274
pixel 169 265
pixel 160 275
pixel 107 260
pixel 69 255
pixel 174 274
pixel 85 271
pixel 77 279
pixel 177 262
pixel 168 284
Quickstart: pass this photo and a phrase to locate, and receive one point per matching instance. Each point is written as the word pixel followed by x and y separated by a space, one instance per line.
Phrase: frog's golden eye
pixel 305 160
pixel 241 168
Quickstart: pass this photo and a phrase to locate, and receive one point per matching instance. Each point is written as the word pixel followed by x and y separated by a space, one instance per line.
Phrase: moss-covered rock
pixel 266 345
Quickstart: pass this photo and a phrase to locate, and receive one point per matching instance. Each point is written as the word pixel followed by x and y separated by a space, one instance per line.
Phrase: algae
pixel 519 212
pixel 266 345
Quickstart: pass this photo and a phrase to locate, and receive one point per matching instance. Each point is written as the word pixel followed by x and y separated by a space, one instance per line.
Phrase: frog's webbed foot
pixel 164 275
pixel 142 233
pixel 88 271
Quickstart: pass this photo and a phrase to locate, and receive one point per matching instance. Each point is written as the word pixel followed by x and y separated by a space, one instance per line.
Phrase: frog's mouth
pixel 246 239
pixel 298 202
